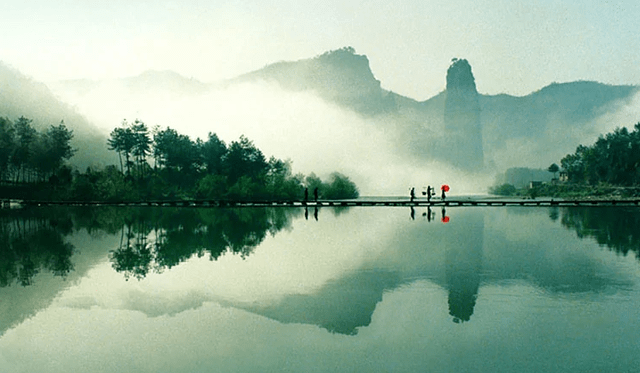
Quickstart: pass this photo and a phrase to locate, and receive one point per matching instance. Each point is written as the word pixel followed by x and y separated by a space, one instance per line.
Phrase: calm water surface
pixel 363 289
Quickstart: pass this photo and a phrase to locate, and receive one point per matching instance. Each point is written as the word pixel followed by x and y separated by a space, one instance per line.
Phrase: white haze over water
pixel 315 135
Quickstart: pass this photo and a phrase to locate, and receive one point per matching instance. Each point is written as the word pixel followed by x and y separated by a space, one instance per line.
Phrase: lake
pixel 358 289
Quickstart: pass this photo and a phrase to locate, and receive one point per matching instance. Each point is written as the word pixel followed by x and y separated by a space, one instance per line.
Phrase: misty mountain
pixel 340 76
pixel 462 114
pixel 329 113
pixel 148 81
pixel 22 96
pixel 532 130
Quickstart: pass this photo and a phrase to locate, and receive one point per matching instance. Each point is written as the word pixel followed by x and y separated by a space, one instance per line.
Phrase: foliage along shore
pixel 569 191
pixel 608 169
pixel 154 165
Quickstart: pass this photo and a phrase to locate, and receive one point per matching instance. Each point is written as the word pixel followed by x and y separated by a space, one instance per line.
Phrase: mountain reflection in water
pixel 472 250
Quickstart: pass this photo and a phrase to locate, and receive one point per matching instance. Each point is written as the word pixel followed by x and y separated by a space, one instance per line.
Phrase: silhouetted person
pixel 429 193
pixel 413 194
pixel 306 194
pixel 315 194
pixel 443 196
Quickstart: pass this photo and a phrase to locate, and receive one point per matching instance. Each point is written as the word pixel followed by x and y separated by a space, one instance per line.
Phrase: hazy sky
pixel 514 47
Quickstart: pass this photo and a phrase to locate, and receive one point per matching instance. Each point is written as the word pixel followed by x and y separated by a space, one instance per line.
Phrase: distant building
pixel 563 176
pixel 535 184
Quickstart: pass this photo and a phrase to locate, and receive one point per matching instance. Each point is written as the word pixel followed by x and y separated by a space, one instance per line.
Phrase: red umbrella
pixel 445 187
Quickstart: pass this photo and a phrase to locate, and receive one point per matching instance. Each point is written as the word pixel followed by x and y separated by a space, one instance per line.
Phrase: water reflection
pixel 460 257
pixel 340 306
pixel 445 218
pixel 463 268
pixel 179 234
pixel 617 228
pixel 315 213
pixel 430 215
pixel 151 239
pixel 31 243
pixel 364 289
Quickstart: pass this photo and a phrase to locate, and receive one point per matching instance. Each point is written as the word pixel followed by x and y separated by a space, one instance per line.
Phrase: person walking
pixel 429 193
pixel 413 193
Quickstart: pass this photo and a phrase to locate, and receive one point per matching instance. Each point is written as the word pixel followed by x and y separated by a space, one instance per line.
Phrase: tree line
pixel 163 163
pixel 153 164
pixel 610 166
pixel 613 159
pixel 28 155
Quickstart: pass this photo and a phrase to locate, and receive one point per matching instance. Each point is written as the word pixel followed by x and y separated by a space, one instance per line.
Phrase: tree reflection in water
pixel 31 241
pixel 613 227
pixel 155 239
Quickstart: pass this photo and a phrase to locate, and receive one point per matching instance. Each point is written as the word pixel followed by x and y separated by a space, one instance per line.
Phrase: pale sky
pixel 514 47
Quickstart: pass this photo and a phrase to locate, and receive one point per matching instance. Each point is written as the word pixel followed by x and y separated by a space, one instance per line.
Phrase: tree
pixel 213 153
pixel 141 145
pixel 162 146
pixel 25 137
pixel 614 158
pixel 122 140
pixel 244 159
pixel 280 182
pixel 505 189
pixel 312 182
pixel 175 151
pixel 553 169
pixel 55 148
pixel 340 187
pixel 7 146
pixel 115 142
pixel 574 164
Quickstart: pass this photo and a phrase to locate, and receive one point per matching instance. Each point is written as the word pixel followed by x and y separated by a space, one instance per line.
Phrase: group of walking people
pixel 430 192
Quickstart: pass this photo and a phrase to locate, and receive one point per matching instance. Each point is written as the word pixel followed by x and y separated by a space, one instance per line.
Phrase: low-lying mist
pixel 621 114
pixel 315 135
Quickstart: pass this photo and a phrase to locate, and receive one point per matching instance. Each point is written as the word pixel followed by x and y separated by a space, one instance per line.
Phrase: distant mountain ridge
pixel 340 76
pixel 545 124
pixel 22 96
pixel 150 80
pixel 532 130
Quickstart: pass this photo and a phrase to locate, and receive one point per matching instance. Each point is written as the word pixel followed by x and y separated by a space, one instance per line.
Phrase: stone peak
pixel 459 75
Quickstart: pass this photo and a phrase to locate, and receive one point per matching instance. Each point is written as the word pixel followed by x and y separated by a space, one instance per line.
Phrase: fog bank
pixel 315 135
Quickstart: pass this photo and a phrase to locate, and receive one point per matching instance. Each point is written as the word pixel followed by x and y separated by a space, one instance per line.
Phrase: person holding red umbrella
pixel 444 188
